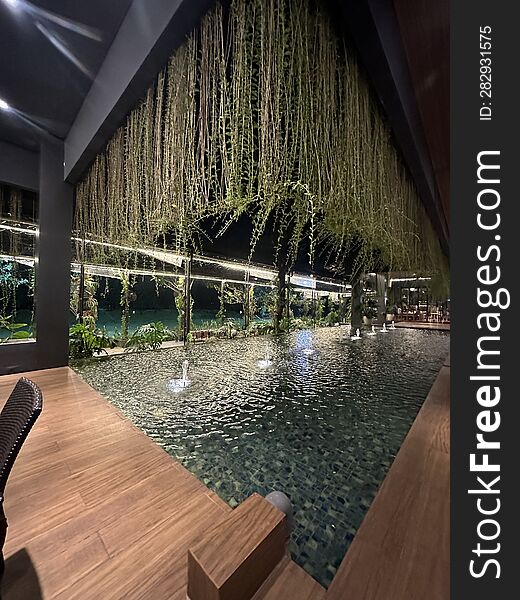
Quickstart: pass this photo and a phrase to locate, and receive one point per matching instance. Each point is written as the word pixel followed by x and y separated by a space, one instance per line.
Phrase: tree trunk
pixel 381 293
pixel 81 294
pixel 126 314
pixel 187 300
pixel 281 298
pixel 357 290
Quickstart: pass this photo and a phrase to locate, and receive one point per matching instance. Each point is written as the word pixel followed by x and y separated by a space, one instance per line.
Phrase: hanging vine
pixel 264 112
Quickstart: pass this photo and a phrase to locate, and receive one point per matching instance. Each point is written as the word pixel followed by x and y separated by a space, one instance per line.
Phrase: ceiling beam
pixel 149 34
pixel 374 29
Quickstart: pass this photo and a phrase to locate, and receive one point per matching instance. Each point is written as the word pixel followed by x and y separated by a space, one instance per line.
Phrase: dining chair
pixel 18 415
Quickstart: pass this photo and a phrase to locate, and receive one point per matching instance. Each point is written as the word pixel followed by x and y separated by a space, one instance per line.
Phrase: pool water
pixel 323 423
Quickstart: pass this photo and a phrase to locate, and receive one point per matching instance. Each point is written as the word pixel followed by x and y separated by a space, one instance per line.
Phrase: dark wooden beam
pixel 148 36
pixel 426 39
pixel 373 27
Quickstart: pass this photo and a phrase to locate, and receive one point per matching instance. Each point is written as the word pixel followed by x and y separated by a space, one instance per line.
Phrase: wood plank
pixel 95 508
pixel 236 558
pixel 423 325
pixel 291 581
pixel 135 572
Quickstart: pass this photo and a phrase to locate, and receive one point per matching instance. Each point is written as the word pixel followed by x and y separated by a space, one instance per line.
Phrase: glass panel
pixel 18 224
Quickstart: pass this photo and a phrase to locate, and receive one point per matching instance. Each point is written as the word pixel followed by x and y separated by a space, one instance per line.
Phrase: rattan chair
pixel 19 414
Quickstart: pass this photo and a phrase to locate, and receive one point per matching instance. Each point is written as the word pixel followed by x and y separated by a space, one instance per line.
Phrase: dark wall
pixel 18 167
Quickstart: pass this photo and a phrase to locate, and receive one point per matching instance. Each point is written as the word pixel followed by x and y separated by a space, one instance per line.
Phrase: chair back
pixel 19 414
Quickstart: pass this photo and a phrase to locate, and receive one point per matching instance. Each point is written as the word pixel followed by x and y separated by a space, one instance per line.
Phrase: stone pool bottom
pixel 323 422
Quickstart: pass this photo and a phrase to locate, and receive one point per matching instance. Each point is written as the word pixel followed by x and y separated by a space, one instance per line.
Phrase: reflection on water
pixel 322 423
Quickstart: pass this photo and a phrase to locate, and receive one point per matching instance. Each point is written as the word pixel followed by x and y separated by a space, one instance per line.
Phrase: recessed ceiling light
pixel 3 105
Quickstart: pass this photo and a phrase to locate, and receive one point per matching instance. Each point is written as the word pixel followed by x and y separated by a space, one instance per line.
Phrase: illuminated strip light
pixel 220 280
pixel 303 282
pixel 113 272
pixel 104 271
pixel 24 260
pixel 177 259
pixel 409 279
pixel 236 266
pixel 18 229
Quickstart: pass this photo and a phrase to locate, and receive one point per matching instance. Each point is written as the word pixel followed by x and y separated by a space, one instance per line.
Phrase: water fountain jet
pixel 357 336
pixel 266 361
pixel 177 385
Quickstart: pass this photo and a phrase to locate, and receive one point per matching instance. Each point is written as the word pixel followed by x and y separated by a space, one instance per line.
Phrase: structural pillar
pixel 53 254
pixel 357 292
pixel 381 297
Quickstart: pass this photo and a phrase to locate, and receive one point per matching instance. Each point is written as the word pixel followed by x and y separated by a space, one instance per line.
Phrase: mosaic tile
pixel 324 429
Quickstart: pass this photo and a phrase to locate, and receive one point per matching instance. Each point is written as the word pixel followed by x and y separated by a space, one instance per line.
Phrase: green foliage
pixel 177 285
pixel 14 330
pixel 265 300
pixel 126 287
pixel 233 293
pixel 259 328
pixel 10 281
pixel 319 309
pixel 149 337
pixel 267 115
pixel 90 303
pixel 302 323
pixel 205 325
pixel 332 318
pixel 369 308
pixel 85 341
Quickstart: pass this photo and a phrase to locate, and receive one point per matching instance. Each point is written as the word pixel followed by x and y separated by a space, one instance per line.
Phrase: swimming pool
pixel 322 423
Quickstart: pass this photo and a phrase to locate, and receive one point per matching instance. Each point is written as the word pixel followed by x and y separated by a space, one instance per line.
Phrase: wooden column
pixel 236 557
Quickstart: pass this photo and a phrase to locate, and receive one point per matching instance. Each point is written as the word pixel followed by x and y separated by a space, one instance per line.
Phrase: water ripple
pixel 323 423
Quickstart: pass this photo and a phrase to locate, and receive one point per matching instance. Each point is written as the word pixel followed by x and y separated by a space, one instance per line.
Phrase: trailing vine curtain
pixel 261 111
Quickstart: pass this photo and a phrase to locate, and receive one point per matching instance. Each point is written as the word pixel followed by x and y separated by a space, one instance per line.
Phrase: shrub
pixel 369 309
pixel 332 318
pixel 85 341
pixel 148 337
pixel 14 330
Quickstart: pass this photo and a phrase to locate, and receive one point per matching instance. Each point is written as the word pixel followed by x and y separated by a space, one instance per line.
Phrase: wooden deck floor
pixel 423 325
pixel 95 508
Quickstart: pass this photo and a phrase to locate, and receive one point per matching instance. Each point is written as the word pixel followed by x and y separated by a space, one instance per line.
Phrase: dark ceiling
pixel 426 40
pixel 47 80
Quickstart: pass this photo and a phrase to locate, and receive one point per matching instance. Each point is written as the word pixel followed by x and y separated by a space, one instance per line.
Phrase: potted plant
pixel 391 312
pixel 369 311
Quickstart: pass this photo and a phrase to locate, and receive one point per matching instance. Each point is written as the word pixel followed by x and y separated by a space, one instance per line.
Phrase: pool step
pixel 290 582
pixel 245 556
